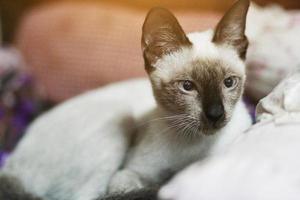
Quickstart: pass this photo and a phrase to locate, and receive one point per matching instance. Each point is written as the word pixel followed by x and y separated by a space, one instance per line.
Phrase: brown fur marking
pixel 231 29
pixel 162 35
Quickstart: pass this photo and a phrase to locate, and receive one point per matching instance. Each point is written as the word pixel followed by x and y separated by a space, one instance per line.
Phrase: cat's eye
pixel 186 86
pixel 230 82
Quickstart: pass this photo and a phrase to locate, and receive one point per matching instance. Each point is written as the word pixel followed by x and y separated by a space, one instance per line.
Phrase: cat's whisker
pixel 167 118
pixel 179 125
pixel 168 128
pixel 188 128
pixel 195 131
pixel 182 126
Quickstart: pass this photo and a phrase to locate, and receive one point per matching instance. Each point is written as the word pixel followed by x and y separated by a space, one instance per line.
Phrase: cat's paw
pixel 125 181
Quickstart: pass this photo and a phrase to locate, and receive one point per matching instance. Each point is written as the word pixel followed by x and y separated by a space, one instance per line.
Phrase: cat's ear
pixel 162 35
pixel 231 28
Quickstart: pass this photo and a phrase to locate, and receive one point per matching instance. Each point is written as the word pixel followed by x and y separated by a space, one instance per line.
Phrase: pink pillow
pixel 72 47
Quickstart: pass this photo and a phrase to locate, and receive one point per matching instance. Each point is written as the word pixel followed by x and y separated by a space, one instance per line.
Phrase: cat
pixel 97 144
pixel 197 82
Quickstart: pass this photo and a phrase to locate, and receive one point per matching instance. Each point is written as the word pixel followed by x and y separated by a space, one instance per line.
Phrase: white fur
pixel 72 151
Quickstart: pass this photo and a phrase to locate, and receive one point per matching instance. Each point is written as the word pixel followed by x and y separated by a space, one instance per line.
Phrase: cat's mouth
pixel 208 127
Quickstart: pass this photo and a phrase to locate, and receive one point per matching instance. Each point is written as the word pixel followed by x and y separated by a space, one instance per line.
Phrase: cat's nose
pixel 215 112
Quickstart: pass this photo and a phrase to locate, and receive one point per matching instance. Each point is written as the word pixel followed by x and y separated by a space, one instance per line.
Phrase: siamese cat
pixel 119 139
pixel 197 81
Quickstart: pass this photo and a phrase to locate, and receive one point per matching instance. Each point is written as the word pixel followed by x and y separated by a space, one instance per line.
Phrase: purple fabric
pixel 251 108
pixel 3 157
pixel 19 103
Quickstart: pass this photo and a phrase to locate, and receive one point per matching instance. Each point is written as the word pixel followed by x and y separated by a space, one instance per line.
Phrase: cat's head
pixel 199 75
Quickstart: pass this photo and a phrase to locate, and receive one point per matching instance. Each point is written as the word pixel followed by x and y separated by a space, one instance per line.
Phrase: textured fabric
pixel 283 100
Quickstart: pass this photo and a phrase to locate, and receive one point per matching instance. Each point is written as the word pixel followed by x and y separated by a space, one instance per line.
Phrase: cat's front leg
pixel 124 181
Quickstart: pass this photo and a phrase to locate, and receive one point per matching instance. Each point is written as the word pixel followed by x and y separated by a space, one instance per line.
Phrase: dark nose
pixel 215 112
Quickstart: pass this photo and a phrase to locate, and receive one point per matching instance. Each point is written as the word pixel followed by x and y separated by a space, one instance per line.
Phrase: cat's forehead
pixel 202 58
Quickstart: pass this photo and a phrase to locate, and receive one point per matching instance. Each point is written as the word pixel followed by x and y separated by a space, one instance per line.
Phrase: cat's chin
pixel 208 132
pixel 211 129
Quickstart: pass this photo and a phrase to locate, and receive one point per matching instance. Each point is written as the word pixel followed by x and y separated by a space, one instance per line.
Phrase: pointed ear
pixel 162 35
pixel 231 28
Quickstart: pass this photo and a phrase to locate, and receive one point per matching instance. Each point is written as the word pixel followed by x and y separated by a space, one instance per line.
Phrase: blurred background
pixel 13 10
pixel 52 50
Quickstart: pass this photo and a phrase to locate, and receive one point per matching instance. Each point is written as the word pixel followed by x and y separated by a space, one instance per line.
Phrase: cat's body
pixel 72 151
pixel 78 150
